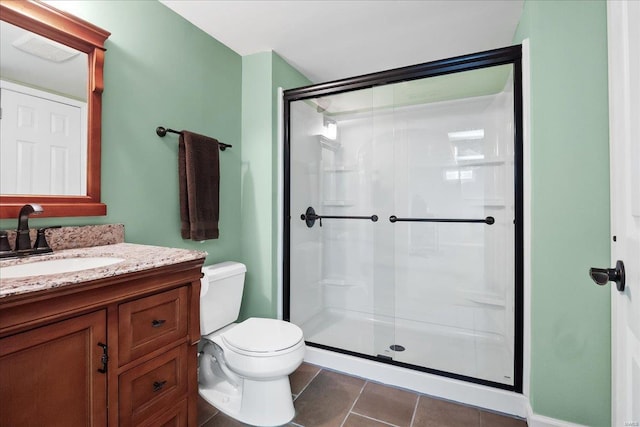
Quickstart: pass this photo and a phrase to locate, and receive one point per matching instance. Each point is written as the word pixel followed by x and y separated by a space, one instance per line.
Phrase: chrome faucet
pixel 23 241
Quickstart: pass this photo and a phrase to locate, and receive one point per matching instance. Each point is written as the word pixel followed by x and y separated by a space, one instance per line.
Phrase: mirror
pixel 43 134
pixel 80 42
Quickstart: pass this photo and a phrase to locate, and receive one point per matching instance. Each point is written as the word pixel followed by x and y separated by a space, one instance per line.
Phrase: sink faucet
pixel 23 241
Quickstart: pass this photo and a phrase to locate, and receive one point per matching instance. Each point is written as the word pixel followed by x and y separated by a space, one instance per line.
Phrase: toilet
pixel 243 368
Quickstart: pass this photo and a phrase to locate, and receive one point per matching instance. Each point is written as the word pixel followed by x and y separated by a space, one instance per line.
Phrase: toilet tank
pixel 220 295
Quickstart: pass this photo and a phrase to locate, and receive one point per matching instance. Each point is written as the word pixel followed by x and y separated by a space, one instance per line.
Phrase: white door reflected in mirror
pixel 43 131
pixel 43 148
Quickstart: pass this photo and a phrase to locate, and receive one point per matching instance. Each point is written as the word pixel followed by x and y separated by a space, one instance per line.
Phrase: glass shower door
pixel 333 238
pixel 453 219
pixel 402 232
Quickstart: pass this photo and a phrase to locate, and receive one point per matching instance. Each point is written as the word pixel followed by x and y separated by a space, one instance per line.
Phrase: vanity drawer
pixel 174 417
pixel 150 323
pixel 150 388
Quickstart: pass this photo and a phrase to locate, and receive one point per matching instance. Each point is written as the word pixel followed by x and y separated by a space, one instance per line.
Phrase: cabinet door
pixel 49 375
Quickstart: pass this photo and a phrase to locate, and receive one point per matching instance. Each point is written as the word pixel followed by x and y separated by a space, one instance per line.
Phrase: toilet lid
pixel 259 335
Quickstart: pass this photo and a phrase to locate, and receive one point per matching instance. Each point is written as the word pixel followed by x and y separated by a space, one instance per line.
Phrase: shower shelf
pixel 340 283
pixel 339 169
pixel 495 161
pixel 484 162
pixel 486 299
pixel 339 203
pixel 489 203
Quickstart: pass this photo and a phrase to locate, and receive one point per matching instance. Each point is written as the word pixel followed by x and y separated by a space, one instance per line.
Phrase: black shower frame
pixel 490 58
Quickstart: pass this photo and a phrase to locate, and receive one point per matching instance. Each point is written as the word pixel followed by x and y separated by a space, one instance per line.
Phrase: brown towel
pixel 199 174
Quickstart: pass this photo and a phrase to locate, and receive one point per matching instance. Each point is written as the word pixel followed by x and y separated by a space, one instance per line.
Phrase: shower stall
pixel 403 217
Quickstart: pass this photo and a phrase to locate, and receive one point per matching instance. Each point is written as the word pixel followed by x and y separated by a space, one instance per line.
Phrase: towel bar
pixel 162 131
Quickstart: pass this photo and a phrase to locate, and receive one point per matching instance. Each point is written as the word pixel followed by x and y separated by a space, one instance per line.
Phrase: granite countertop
pixel 136 258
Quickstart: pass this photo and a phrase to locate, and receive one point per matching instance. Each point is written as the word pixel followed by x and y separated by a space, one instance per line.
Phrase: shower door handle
pixel 488 220
pixel 310 217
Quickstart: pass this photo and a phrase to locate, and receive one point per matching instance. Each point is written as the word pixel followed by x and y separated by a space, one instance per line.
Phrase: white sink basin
pixel 55 266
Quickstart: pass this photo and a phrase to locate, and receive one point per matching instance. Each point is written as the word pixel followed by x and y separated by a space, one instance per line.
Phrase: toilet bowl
pixel 243 368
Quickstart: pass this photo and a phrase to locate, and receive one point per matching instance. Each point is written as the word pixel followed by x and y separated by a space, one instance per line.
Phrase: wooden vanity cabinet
pixel 52 352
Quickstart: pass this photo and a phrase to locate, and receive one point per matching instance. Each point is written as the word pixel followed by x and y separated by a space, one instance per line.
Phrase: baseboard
pixel 535 420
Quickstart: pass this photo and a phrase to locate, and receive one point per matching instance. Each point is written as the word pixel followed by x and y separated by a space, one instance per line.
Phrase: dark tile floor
pixel 324 398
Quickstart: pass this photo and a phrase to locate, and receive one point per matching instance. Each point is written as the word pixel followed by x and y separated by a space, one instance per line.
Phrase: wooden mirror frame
pixel 67 29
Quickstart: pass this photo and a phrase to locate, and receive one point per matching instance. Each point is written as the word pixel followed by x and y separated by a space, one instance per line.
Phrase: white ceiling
pixel 68 78
pixel 334 39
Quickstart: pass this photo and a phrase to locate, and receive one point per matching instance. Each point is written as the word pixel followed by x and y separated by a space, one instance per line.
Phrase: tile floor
pixel 325 398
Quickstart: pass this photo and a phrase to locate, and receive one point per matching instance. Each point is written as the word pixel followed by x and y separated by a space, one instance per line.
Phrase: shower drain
pixel 396 347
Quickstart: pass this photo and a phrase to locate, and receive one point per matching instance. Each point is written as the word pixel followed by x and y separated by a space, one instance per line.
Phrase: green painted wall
pixel 570 356
pixel 262 74
pixel 161 70
pixel 257 203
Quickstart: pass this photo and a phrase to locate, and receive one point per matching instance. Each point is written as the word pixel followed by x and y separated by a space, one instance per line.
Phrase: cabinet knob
pixel 155 323
pixel 157 385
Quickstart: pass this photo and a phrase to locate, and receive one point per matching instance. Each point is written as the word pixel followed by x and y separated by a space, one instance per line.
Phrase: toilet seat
pixel 261 349
pixel 261 337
